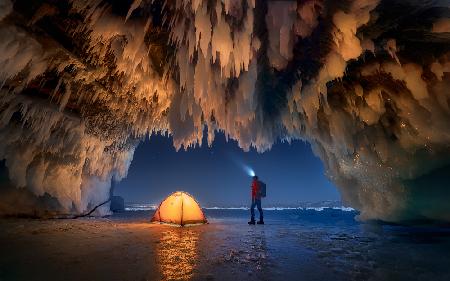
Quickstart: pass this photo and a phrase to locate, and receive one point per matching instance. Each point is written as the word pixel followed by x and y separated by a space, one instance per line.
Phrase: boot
pixel 260 222
pixel 251 222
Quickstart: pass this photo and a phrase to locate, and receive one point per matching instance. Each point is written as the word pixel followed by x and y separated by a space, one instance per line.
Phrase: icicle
pixel 65 98
pixel 134 6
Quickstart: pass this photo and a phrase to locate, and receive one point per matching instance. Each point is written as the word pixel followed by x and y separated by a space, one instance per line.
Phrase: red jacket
pixel 255 189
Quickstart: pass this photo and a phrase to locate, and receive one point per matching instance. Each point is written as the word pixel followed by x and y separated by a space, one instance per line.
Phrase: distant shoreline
pixel 152 207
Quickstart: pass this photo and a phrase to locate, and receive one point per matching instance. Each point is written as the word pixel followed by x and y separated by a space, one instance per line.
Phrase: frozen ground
pixel 293 245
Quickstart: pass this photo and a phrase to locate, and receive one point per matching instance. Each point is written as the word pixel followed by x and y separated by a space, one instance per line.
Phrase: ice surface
pixel 292 245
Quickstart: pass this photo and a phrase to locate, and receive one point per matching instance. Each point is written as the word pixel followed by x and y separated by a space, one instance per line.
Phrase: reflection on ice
pixel 253 252
pixel 177 254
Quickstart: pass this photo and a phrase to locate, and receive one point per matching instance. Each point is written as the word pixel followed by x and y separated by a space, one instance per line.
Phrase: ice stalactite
pixel 308 17
pixel 217 68
pixel 380 128
pixel 379 138
pixel 74 143
pixel 6 7
pixel 84 80
pixel 280 20
pixel 51 152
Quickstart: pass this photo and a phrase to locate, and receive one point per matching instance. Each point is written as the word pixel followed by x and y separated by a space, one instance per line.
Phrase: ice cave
pixel 365 82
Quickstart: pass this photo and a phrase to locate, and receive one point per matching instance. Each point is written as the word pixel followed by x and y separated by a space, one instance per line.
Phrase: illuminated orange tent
pixel 179 208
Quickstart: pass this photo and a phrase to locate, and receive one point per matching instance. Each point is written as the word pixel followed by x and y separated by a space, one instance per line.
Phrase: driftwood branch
pixel 91 211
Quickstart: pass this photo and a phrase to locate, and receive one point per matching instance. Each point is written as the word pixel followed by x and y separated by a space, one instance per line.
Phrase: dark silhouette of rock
pixel 117 204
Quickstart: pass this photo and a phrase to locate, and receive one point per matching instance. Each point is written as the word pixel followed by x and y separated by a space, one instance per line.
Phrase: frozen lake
pixel 293 245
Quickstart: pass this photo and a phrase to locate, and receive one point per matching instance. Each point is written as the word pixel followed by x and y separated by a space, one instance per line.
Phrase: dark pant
pixel 256 202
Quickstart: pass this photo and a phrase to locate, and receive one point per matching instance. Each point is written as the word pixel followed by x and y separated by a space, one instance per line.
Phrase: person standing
pixel 256 201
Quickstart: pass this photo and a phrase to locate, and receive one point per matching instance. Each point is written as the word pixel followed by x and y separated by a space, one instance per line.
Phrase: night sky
pixel 215 176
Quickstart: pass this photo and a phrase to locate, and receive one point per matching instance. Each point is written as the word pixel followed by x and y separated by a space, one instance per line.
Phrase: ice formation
pixel 83 81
